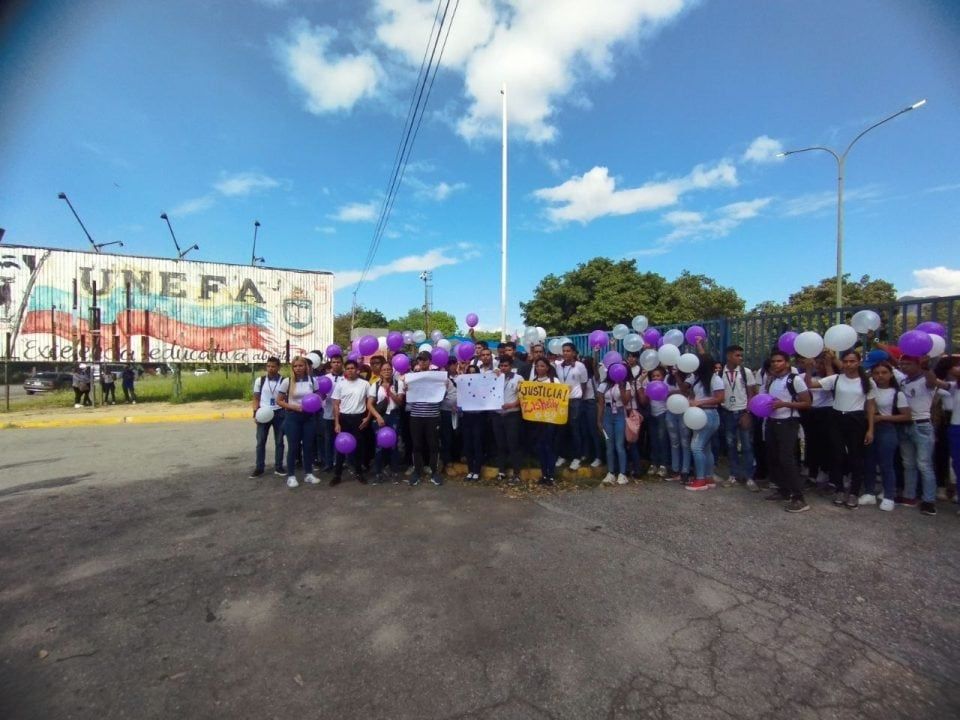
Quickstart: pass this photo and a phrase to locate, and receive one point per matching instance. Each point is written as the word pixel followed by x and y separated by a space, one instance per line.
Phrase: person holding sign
pixel 543 403
pixel 424 396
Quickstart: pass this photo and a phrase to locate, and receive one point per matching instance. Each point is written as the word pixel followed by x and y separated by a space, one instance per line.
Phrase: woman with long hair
pixel 677 432
pixel 707 390
pixel 892 412
pixel 299 427
pixel 614 401
pixel 545 433
pixel 588 414
pixel 657 425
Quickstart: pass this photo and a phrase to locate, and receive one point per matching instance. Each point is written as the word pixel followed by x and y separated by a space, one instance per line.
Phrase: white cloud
pixel 243 183
pixel 594 194
pixel 699 226
pixel 325 229
pixel 936 281
pixel 943 188
pixel 331 82
pixel 763 150
pixel 403 25
pixel 430 260
pixel 827 200
pixel 357 212
pixel 193 206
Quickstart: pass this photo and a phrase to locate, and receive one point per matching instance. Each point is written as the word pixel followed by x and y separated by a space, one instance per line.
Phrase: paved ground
pixel 142 575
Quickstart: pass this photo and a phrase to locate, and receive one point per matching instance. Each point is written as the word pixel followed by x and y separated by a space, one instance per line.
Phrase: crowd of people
pixel 83 378
pixel 837 424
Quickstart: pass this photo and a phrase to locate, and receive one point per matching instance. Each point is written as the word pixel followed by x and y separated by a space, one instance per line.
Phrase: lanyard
pixel 565 369
pixel 732 377
pixel 272 389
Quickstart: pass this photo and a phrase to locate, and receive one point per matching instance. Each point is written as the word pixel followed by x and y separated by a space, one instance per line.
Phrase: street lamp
pixel 253 253
pixel 180 253
pixel 841 159
pixel 96 248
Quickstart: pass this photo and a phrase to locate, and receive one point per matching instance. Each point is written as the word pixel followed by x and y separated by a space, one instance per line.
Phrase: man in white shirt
pixel 739 385
pixel 265 390
pixel 327 453
pixel 916 445
pixel 782 428
pixel 572 373
pixel 506 424
pixel 350 415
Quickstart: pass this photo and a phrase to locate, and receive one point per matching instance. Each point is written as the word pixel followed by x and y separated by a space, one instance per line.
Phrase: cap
pixel 874 357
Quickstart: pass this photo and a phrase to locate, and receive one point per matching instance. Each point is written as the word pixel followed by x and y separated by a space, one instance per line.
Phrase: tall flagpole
pixel 503 224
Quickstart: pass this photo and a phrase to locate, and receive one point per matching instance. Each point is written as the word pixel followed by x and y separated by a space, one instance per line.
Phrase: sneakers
pixel 609 479
pixel 514 480
pixel 311 479
pixel 409 471
pixel 596 463
pixel 575 465
pixel 775 496
pixel 852 503
pixel 887 505
pixel 256 474
pixel 76 405
pixel 622 479
pixel 868 499
pixel 472 477
pixel 560 462
pixel 698 484
pixel 546 481
pixel 377 479
pixel 713 480
pixel 909 502
pixel 662 472
pixel 752 485
pixel 414 480
pixel 796 506
pixel 673 477
pixel 652 471
pixel 501 477
pixel 928 508
pixel 292 482
pixel 280 471
pixel 436 480
pixel 839 498
pixel 730 481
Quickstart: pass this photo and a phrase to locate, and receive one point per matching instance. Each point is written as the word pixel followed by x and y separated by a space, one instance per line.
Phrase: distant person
pixel 127 378
pixel 108 386
pixel 266 392
pixel 81 386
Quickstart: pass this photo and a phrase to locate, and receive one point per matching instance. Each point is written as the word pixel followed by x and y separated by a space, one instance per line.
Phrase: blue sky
pixel 639 128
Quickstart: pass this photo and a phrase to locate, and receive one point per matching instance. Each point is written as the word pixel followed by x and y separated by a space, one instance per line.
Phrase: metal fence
pixel 758 334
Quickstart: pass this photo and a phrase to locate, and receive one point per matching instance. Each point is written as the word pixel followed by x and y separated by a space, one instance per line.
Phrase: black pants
pixel 781 442
pixel 425 440
pixel 349 424
pixel 759 452
pixel 818 427
pixel 129 393
pixel 109 392
pixel 847 450
pixel 474 427
pixel 506 432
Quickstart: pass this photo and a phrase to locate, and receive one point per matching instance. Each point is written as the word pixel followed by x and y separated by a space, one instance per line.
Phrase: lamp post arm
pixel 876 125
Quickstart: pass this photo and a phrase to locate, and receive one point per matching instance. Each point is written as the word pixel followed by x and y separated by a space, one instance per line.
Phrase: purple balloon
pixel 345 443
pixel 761 404
pixel 933 328
pixel 386 437
pixel 651 336
pixel 694 332
pixel 915 342
pixel 465 351
pixel 472 320
pixel 657 390
pixel 324 385
pixel 355 344
pixel 617 372
pixel 368 345
pixel 311 403
pixel 612 358
pixel 334 351
pixel 401 363
pixel 394 340
pixel 355 356
pixel 785 344
pixel 439 357
pixel 598 339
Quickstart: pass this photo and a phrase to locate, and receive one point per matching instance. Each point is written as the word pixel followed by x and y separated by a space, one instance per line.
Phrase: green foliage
pixel 823 295
pixel 603 292
pixel 413 320
pixel 365 318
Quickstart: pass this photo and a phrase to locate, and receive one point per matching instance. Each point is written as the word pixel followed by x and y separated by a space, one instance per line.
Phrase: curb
pixel 127 420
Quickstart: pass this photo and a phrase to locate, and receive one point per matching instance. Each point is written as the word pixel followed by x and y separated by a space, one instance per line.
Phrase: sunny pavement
pixel 143 575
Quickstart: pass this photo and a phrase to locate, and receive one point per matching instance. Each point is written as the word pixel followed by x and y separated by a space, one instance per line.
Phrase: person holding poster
pixel 475 419
pixel 425 390
pixel 546 410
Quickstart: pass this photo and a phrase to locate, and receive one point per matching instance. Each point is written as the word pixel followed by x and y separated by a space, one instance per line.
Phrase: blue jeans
pixel 880 454
pixel 659 441
pixel 588 428
pixel 741 460
pixel 545 434
pixel 916 451
pixel 679 443
pixel 613 426
pixel 263 430
pixel 391 420
pixel 300 428
pixel 701 446
pixel 573 450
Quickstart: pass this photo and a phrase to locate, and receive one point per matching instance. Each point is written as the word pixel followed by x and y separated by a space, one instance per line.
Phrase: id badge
pixel 613 409
pixel 273 402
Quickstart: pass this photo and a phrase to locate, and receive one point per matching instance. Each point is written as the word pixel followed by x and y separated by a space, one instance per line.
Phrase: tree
pixel 603 292
pixel 364 318
pixel 824 295
pixel 413 320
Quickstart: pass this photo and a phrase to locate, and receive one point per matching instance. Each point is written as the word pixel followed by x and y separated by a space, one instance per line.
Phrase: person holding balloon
pixel 268 414
pixel 383 404
pixel 817 424
pixel 614 401
pixel 327 453
pixel 296 395
pixel 653 393
pixel 350 417
pixel 892 413
pixel 788 395
pixel 707 390
pixel 677 432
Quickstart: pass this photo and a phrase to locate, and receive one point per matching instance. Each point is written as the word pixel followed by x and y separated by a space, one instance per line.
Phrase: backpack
pixel 381 405
pixel 791 377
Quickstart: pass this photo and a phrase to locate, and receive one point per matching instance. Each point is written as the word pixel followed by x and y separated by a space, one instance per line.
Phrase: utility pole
pixel 427 277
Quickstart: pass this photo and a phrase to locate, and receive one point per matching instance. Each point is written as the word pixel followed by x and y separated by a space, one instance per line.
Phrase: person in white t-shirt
pixel 571 372
pixel 781 430
pixel 854 396
pixel 739 385
pixel 893 412
pixel 707 390
pixel 350 416
pixel 384 401
pixel 916 444
pixel 266 388
pixel 506 425
pixel 299 427
pixel 328 455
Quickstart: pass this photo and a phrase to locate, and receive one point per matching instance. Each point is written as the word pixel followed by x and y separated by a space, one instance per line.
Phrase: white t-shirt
pixel 955 399
pixel 716 383
pixel 352 396
pixel 511 387
pixel 378 391
pixel 780 390
pixel 328 401
pixel 884 400
pixel 820 398
pixel 574 376
pixel 301 389
pixel 735 390
pixel 590 391
pixel 919 397
pixel 848 392
pixel 610 392
pixel 268 390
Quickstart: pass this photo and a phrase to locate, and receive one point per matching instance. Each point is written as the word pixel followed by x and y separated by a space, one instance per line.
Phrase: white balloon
pixel 695 418
pixel 649 359
pixel 632 342
pixel 531 336
pixel 808 344
pixel 688 363
pixel 444 343
pixel 314 359
pixel 939 347
pixel 677 404
pixel 554 347
pixel 564 340
pixel 673 337
pixel 840 337
pixel 419 336
pixel 620 331
pixel 425 347
pixel 865 321
pixel 264 415
pixel 541 334
pixel 382 342
pixel 640 323
pixel 669 355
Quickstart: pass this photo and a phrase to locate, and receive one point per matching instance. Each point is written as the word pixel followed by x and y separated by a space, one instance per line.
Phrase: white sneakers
pixel 76 405
pixel 292 482
pixel 596 463
pixel 730 481
pixel 622 479
pixel 868 499
pixel 662 472
pixel 752 485
pixel 652 471
pixel 609 479
pixel 311 478
pixel 887 504
pixel 560 462
pixel 575 465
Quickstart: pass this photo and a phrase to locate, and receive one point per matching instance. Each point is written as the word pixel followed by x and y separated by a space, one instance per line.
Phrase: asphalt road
pixel 143 575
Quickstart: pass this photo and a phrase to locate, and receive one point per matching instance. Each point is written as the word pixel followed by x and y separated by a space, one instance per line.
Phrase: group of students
pixel 835 423
pixel 82 380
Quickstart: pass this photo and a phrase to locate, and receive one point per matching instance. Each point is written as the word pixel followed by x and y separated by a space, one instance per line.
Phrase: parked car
pixel 201 371
pixel 47 382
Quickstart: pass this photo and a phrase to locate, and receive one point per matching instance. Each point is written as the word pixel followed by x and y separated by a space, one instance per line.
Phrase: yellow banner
pixel 544 402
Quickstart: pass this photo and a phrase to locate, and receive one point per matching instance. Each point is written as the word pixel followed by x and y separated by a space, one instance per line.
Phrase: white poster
pixel 429 386
pixel 480 392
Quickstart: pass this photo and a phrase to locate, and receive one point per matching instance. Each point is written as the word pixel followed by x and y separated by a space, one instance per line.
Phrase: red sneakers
pixel 909 502
pixel 698 484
